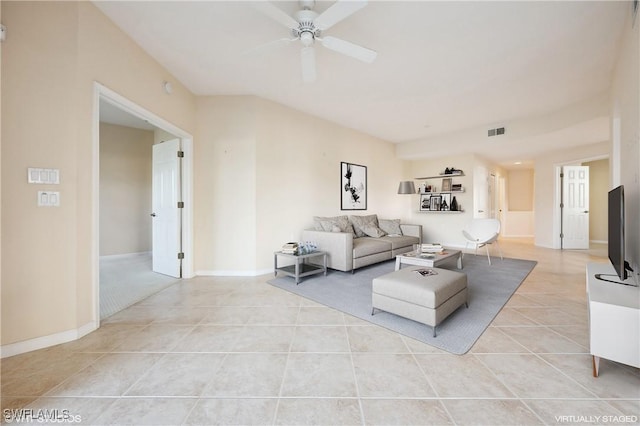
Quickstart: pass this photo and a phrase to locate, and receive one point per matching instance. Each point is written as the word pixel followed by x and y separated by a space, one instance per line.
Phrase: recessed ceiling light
pixel 518 162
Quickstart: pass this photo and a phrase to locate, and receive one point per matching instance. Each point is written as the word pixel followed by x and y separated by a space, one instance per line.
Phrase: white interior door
pixel 480 192
pixel 575 217
pixel 166 215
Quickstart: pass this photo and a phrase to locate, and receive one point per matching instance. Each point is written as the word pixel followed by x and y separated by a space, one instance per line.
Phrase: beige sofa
pixel 351 248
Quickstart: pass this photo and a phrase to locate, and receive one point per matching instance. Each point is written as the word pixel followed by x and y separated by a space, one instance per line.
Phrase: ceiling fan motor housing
pixel 306 31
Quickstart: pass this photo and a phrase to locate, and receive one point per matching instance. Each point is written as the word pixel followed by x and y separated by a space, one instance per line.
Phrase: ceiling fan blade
pixel 308 59
pixel 276 14
pixel 268 47
pixel 349 49
pixel 337 12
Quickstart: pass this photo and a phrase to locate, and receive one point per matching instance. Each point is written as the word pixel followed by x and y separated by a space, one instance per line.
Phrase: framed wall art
pixel 434 202
pixel 446 184
pixel 353 186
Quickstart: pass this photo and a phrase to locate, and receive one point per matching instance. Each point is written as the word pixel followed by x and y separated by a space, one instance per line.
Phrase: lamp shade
pixel 406 187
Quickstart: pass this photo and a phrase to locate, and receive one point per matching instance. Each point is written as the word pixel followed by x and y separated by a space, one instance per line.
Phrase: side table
pixel 300 268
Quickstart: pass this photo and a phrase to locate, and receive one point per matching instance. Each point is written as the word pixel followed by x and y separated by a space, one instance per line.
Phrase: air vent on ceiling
pixel 496 132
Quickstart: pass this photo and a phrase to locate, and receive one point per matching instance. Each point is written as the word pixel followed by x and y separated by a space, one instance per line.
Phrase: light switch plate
pixel 48 199
pixel 43 176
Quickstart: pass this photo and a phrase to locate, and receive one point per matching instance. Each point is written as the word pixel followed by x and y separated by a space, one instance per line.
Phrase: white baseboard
pixel 125 255
pixel 46 341
pixel 599 241
pixel 231 273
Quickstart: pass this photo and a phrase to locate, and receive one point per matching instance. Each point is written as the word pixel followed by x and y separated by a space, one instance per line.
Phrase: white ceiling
pixel 442 66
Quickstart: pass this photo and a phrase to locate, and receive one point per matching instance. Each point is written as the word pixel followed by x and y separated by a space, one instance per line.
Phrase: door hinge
pixel 180 154
pixel 180 255
pixel 562 205
pixel 561 235
pixel 561 174
pixel 181 204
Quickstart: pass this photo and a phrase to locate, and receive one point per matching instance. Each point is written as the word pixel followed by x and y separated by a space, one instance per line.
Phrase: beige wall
pixel 125 189
pixel 598 188
pixel 50 62
pixel 520 190
pixel 225 184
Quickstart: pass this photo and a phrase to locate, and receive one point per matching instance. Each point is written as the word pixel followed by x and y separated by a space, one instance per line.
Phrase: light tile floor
pixel 239 351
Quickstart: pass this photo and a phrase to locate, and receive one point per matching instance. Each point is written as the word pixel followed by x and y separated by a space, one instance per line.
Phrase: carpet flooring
pixel 126 280
pixel 489 287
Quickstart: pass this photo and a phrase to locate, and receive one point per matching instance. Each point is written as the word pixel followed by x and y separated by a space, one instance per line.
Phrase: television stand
pixel 614 318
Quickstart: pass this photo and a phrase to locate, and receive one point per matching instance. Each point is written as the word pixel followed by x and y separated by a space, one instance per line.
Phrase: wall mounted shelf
pixel 450 175
pixel 441 211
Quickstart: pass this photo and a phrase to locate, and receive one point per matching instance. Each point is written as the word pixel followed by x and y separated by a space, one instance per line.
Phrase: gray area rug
pixel 489 286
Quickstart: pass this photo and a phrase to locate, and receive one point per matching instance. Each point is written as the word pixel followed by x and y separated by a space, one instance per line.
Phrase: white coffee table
pixel 429 259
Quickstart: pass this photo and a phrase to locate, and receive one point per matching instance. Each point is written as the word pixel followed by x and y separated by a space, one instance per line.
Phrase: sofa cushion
pixel 359 222
pixel 329 224
pixel 366 246
pixel 400 241
pixel 390 226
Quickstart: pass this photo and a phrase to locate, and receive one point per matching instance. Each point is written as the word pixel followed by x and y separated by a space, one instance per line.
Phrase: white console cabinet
pixel 614 318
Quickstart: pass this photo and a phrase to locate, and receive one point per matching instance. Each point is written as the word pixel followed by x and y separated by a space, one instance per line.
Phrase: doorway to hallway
pixel 125 244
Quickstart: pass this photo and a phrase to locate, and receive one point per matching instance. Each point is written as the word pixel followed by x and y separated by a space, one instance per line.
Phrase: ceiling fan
pixel 307 26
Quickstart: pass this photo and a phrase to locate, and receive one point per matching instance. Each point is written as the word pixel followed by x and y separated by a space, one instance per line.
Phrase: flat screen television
pixel 616 232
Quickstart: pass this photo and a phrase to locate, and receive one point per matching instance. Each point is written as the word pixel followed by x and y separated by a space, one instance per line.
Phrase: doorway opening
pixel 126 239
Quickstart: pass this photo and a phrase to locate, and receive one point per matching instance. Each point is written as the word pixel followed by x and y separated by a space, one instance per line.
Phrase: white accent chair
pixel 482 232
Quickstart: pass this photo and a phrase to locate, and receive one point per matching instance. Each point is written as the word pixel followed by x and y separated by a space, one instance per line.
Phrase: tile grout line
pixel 355 377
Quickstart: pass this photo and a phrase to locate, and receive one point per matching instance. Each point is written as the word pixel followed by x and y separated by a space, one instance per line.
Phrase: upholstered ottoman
pixel 428 299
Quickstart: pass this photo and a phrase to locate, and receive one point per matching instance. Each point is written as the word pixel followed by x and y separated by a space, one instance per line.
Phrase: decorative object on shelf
pixel 446 185
pixel 425 202
pixel 453 206
pixel 445 205
pixel 406 187
pixel 452 171
pixel 353 187
pixel 456 187
pixel 423 188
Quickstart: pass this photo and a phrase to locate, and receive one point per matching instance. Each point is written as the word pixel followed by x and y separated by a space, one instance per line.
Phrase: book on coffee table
pixel 426 272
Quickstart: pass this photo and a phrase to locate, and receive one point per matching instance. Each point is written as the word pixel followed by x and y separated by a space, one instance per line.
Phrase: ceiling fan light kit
pixel 308 26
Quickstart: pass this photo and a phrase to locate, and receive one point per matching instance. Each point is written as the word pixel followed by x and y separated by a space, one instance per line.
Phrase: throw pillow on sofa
pixel 373 231
pixel 360 222
pixel 333 224
pixel 390 226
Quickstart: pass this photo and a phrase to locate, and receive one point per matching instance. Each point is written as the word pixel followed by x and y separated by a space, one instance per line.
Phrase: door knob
pixel 586 211
pixel 152 215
